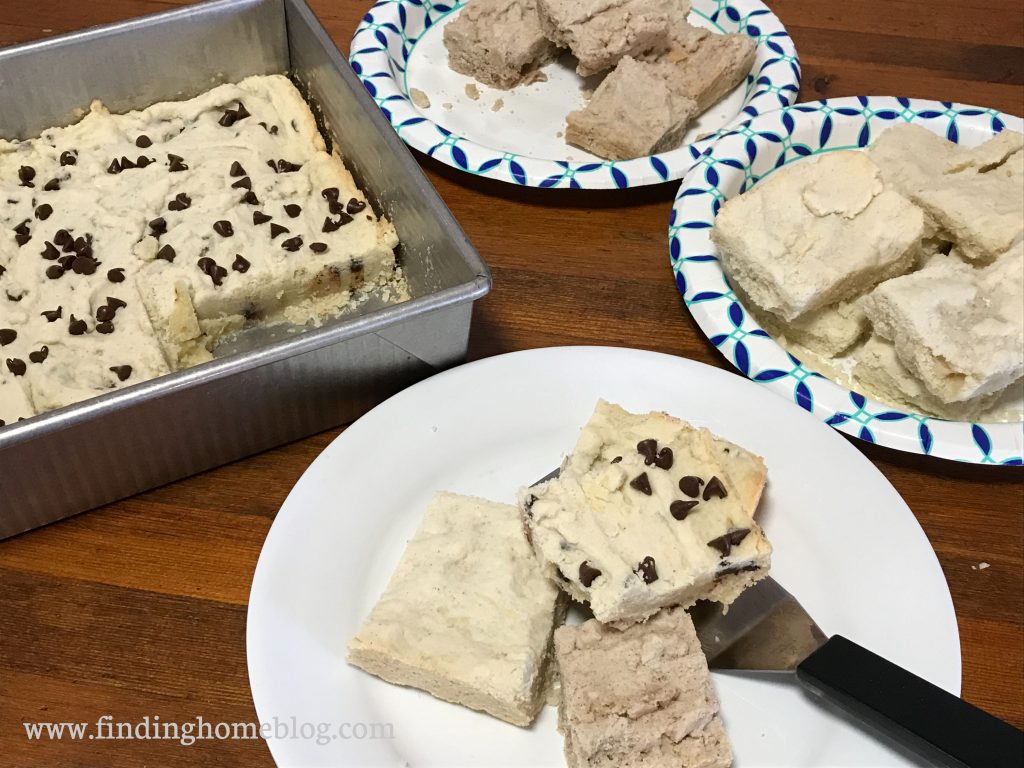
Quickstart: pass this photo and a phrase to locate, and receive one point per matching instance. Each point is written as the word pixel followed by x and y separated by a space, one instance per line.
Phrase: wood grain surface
pixel 139 608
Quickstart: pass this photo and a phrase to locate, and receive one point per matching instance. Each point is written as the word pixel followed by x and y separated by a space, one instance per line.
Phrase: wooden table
pixel 139 608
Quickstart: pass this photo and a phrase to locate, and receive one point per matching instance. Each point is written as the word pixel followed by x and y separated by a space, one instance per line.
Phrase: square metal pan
pixel 275 386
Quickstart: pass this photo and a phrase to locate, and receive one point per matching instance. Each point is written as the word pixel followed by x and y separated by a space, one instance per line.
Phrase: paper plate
pixel 399 47
pixel 733 164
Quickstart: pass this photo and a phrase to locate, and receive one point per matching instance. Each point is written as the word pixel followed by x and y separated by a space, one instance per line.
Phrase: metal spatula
pixel 766 629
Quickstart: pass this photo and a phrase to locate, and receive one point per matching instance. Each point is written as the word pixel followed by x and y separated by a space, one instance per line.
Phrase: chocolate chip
pixel 16 294
pixel 283 166
pixel 714 488
pixel 7 335
pixel 121 371
pixel 223 228
pixel 175 164
pixel 52 315
pixel 680 509
pixel 335 207
pixel 116 303
pixel 82 246
pixel 331 193
pixel 259 217
pixel 355 206
pixel 690 485
pixel 2 269
pixel 50 252
pixel 729 570
pixel 212 269
pixel 142 161
pixel 227 119
pixel 180 202
pixel 43 211
pixel 242 183
pixel 62 237
pixel 40 356
pixel 158 226
pixel 664 459
pixel 84 265
pixel 241 112
pixel 105 313
pixel 728 540
pixel 616 460
pixel 240 264
pixel 318 247
pixel 277 229
pixel 126 164
pixel 647 571
pixel 25 174
pixel 16 366
pixel 115 275
pixel 77 327
pixel 52 185
pixel 292 244
pixel 114 167
pixel 648 449
pixel 250 198
pixel 67 157
pixel 106 327
pixel 143 142
pixel 293 209
pixel 588 573
pixel 641 483
pixel 66 261
pixel 237 169
pixel 22 228
pixel 22 239
pixel 166 253
pixel 54 271
pixel 331 225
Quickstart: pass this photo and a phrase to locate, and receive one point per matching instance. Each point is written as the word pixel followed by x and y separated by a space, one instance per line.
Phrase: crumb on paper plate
pixel 472 91
pixel 447 106
pixel 499 105
pixel 419 98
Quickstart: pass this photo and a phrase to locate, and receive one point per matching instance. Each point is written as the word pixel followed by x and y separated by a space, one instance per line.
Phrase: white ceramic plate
pixel 732 165
pixel 399 47
pixel 845 544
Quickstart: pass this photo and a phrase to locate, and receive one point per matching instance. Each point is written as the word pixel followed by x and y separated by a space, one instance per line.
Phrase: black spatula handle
pixel 937 725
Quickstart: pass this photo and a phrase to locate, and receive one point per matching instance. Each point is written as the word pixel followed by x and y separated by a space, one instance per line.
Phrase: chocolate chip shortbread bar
pixel 130 244
pixel 649 512
pixel 638 698
pixel 468 614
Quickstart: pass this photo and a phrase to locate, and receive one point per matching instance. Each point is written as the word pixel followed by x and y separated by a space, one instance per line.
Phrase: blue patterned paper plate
pixel 515 136
pixel 739 159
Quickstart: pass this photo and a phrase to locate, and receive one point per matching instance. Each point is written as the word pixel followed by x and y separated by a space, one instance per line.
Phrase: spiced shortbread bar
pixel 638 698
pixel 649 512
pixel 498 42
pixel 468 614
pixel 815 233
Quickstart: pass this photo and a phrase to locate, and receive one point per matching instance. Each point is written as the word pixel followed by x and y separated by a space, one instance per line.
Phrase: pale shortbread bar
pixel 829 331
pixel 638 698
pixel 498 42
pixel 957 328
pixel 815 233
pixel 600 33
pixel 468 613
pixel 705 67
pixel 649 512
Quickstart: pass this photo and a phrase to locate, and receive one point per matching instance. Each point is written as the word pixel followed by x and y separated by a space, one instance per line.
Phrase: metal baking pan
pixel 273 387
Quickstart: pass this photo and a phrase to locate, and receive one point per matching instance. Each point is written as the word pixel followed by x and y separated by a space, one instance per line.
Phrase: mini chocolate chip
pixel 158 226
pixel 715 488
pixel 7 335
pixel 212 269
pixel 355 206
pixel 250 198
pixel 647 571
pixel 105 313
pixel 52 185
pixel 17 295
pixel 356 267
pixel 40 356
pixel 641 483
pixel 22 228
pixel 142 161
pixel 259 217
pixel 664 459
pixel 54 271
pixel 293 210
pixel 180 202
pixel 22 239
pixel 680 509
pixel 105 327
pixel 277 229
pixel 166 253
pixel 731 538
pixel 82 246
pixel 121 371
pixel 84 265
pixel 116 303
pixel 223 228
pixel 616 460
pixel 237 169
pixel 330 225
pixel 318 247
pixel 648 449
pixel 114 167
pixel 143 142
pixel 690 485
pixel 588 573
pixel 176 164
pixel 335 207
pixel 331 193
pixel 66 261
pixel 115 275
pixel 2 269
pixel 126 164
pixel 25 174
pixel 49 252
pixel 67 157
pixel 729 570
pixel 292 244
pixel 240 264
pixel 43 211
pixel 77 327
pixel 16 366
pixel 241 112
pixel 227 119
pixel 243 183
pixel 52 315
pixel 62 236
pixel 283 166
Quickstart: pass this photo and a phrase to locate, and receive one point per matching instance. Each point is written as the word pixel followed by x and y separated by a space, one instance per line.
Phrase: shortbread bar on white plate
pixel 815 233
pixel 468 614
pixel 649 512
pixel 638 698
